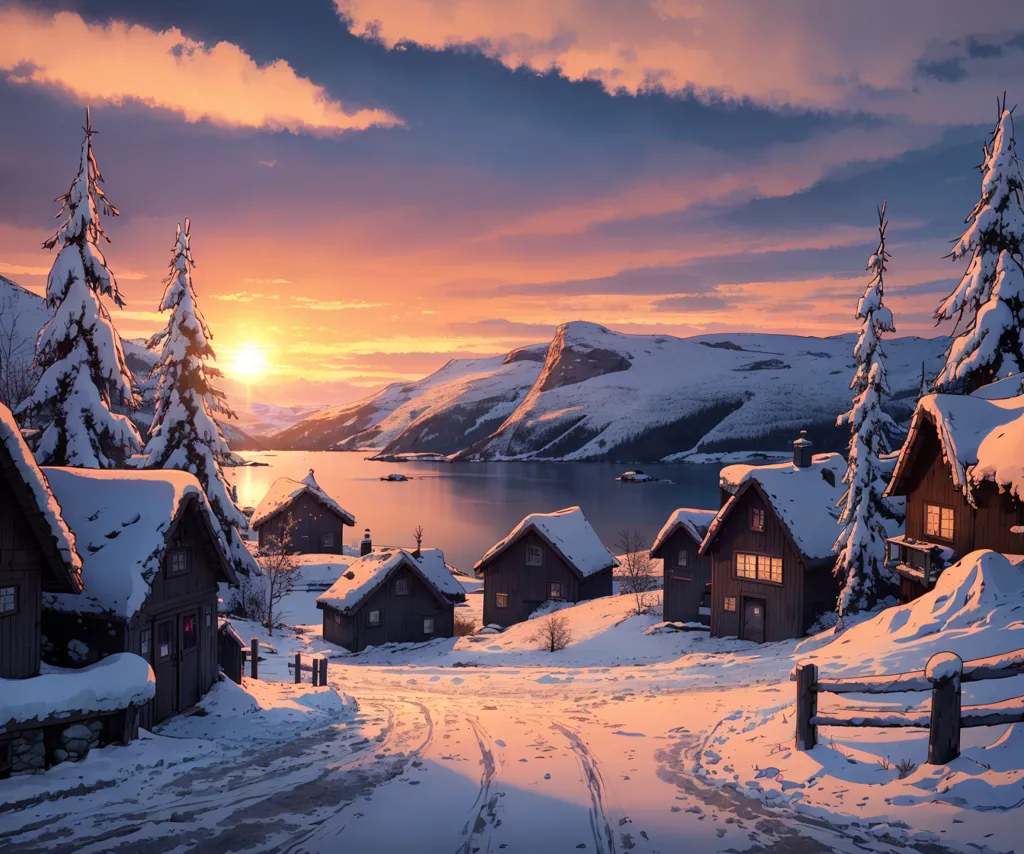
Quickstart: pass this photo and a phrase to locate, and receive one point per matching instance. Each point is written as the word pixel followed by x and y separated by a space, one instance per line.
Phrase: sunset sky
pixel 376 186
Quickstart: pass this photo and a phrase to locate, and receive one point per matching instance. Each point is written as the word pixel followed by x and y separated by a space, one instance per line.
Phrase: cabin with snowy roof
pixel 152 558
pixel 771 546
pixel 687 573
pixel 314 520
pixel 961 471
pixel 546 557
pixel 48 715
pixel 391 596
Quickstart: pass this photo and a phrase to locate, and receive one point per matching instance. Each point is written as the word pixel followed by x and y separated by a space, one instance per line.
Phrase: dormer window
pixel 401 586
pixel 756 519
pixel 177 562
pixel 534 556
pixel 938 521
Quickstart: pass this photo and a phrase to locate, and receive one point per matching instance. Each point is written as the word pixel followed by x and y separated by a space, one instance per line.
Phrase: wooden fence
pixel 943 676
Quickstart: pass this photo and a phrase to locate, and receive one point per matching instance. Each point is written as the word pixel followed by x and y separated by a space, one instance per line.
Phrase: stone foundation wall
pixel 39 749
pixel 28 752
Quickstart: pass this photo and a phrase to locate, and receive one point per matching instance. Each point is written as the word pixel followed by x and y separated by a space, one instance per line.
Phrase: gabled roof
pixel 982 439
pixel 802 497
pixel 695 522
pixel 368 573
pixel 40 506
pixel 567 532
pixel 122 520
pixel 284 492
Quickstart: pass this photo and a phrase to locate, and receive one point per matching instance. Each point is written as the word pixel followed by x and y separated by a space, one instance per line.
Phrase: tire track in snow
pixel 600 826
pixel 483 813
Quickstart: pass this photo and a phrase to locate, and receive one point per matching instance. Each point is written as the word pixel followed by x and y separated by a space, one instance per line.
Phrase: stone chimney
pixel 802 448
pixel 366 546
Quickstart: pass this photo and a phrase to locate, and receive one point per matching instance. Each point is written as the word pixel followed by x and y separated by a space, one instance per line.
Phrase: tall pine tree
pixel 84 370
pixel 990 296
pixel 184 434
pixel 860 567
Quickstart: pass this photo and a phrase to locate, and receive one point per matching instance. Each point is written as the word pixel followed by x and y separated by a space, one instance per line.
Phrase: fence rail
pixel 943 676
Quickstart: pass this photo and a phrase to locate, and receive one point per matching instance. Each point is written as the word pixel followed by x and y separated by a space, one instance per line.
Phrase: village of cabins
pixel 112 582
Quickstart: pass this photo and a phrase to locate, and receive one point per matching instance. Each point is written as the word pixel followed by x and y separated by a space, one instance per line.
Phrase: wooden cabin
pixel 960 471
pixel 391 596
pixel 687 573
pixel 770 546
pixel 546 557
pixel 303 516
pixel 152 560
pixel 230 651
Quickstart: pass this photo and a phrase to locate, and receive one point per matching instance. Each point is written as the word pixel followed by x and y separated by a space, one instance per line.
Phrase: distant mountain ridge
pixel 596 394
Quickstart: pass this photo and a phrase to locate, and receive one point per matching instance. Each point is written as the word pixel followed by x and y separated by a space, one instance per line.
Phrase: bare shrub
pixel 637 569
pixel 553 632
pixel 281 573
pixel 906 767
pixel 464 625
pixel 884 763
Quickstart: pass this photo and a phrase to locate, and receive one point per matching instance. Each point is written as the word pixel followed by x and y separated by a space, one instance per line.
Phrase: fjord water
pixel 465 508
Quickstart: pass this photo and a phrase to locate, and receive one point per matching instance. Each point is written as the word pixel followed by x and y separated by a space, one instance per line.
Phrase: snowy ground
pixel 631 739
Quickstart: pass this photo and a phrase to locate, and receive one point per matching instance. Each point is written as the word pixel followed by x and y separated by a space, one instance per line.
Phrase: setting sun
pixel 249 364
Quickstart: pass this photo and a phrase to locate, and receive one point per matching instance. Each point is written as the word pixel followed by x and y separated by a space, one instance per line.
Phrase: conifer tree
pixel 990 296
pixel 860 566
pixel 184 434
pixel 84 374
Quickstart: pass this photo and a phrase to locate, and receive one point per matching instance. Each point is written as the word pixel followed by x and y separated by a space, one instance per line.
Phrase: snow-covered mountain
pixel 594 394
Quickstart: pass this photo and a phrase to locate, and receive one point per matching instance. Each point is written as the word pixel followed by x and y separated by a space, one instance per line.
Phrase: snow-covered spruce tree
pixel 184 434
pixel 860 567
pixel 84 373
pixel 990 296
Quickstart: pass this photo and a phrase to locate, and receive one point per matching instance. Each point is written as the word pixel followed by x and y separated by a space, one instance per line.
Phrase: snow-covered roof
pixel 982 440
pixel 284 492
pixel 694 521
pixel 113 683
pixel 370 571
pixel 120 519
pixel 569 533
pixel 68 563
pixel 803 497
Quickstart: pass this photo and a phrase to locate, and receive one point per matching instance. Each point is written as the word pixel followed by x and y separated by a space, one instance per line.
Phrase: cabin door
pixel 753 620
pixel 188 660
pixel 165 668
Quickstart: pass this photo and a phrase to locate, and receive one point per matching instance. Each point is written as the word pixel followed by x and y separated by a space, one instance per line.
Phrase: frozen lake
pixel 466 507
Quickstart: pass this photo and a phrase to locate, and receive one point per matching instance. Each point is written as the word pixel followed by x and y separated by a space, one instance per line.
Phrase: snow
pixel 944 665
pixel 696 522
pixel 366 574
pixel 284 492
pixel 120 519
pixel 113 683
pixel 569 533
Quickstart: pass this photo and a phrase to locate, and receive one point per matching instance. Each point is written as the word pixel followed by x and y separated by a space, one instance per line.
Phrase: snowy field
pixel 633 738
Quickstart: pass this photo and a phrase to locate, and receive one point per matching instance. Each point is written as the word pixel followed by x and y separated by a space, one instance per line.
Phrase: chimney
pixel 366 546
pixel 802 451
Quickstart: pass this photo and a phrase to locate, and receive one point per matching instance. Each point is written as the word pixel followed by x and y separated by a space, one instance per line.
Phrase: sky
pixel 376 186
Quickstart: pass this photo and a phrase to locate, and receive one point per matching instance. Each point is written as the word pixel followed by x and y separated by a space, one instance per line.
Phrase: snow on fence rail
pixel 943 676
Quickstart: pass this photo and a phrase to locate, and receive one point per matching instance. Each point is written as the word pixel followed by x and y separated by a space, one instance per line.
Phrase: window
pixel 163 641
pixel 756 519
pixel 189 632
pixel 177 562
pixel 373 618
pixel 682 559
pixel 337 617
pixel 759 567
pixel 938 521
pixel 8 601
pixel 500 600
pixel 555 590
pixel 208 616
pixel 730 603
pixel 327 540
pixel 146 644
pixel 534 556
pixel 401 586
pixel 428 625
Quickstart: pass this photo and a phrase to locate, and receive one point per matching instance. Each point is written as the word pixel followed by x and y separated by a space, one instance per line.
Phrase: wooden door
pixel 165 668
pixel 188 660
pixel 753 620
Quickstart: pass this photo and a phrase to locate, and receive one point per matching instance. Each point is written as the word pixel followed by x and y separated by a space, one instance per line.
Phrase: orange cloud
pixel 219 83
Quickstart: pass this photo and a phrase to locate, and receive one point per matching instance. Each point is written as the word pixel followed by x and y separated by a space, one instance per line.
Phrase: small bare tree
pixel 638 569
pixel 281 572
pixel 418 534
pixel 553 632
pixel 17 376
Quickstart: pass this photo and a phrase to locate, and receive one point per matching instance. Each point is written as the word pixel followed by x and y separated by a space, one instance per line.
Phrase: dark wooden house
pixel 771 546
pixel 152 560
pixel 230 651
pixel 686 572
pixel 391 596
pixel 302 515
pixel 962 475
pixel 547 557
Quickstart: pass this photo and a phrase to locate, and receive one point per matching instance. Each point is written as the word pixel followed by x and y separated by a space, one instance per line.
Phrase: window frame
pixel 942 510
pixel 11 591
pixel 146 643
pixel 683 558
pixel 530 551
pixel 428 631
pixel 327 540
pixel 729 604
pixel 560 597
pixel 402 586
pixel 757 519
pixel 501 600
pixel 759 558
pixel 370 621
pixel 172 556
pixel 194 617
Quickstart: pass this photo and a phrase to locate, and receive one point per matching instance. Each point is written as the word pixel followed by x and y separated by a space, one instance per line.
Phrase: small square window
pixel 428 625
pixel 500 600
pixel 556 590
pixel 682 559
pixel 177 562
pixel 401 586
pixel 327 540
pixel 730 603
pixel 939 521
pixel 756 519
pixel 8 601
pixel 373 618
pixel 534 556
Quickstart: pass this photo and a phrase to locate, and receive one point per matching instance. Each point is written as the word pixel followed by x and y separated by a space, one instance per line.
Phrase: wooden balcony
pixel 918 560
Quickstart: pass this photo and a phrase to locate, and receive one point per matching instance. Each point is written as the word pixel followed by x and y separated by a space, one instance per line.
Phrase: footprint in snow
pixel 457 680
pixel 499 742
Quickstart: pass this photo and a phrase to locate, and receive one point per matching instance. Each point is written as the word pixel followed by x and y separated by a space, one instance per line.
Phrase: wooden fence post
pixel 298 667
pixel 254 657
pixel 316 672
pixel 943 671
pixel 130 729
pixel 806 705
pixel 323 671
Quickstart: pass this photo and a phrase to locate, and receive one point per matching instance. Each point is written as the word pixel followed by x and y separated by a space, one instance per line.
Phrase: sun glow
pixel 249 364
